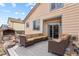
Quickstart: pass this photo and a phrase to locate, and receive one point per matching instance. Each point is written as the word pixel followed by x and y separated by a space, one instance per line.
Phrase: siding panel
pixel 70 18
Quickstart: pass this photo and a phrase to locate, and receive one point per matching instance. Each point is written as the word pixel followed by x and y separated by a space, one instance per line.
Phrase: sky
pixel 14 10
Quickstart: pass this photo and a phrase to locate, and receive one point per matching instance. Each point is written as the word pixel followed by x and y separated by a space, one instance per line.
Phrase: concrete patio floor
pixel 38 49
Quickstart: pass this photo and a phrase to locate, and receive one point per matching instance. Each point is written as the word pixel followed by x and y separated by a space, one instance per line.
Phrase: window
pixel 27 24
pixel 56 5
pixel 36 25
pixel 52 5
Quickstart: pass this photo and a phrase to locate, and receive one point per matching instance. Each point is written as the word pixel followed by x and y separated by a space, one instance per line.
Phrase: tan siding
pixel 48 21
pixel 70 17
pixel 10 24
pixel 41 10
pixel 18 26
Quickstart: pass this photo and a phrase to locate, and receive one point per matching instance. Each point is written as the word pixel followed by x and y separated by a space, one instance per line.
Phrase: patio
pixel 38 49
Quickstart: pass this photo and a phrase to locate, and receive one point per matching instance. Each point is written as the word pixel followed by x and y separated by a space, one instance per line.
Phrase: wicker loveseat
pixel 58 47
pixel 27 40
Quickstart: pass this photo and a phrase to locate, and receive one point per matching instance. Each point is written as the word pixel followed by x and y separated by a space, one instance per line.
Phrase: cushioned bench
pixel 27 40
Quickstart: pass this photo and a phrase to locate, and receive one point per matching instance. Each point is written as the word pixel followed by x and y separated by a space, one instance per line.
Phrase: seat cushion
pixel 30 39
pixel 39 37
pixel 36 38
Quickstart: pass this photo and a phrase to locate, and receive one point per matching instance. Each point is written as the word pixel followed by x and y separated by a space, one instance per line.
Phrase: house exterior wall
pixel 45 24
pixel 40 11
pixel 70 17
pixel 10 24
pixel 16 26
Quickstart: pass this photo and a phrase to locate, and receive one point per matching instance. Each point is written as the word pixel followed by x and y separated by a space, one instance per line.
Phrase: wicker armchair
pixel 58 47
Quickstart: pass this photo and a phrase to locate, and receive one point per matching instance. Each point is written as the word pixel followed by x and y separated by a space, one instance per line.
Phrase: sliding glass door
pixel 54 30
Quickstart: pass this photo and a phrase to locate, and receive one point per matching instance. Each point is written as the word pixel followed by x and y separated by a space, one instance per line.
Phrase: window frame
pixel 27 25
pixel 36 24
pixel 56 7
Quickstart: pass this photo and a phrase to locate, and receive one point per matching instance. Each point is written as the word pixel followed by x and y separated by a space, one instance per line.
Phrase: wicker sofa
pixel 60 46
pixel 27 40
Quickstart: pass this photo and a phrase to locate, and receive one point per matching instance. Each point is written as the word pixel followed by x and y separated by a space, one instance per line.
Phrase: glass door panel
pixel 50 31
pixel 55 31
